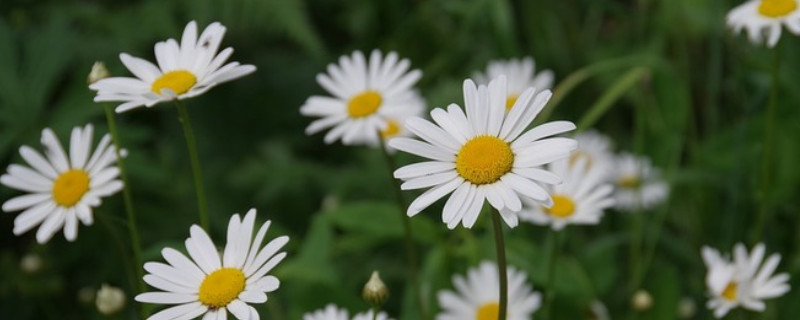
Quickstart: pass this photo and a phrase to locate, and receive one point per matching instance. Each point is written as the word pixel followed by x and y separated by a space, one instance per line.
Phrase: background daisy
pixel 638 185
pixel 370 315
pixel 476 296
pixel 367 97
pixel 596 148
pixel 63 188
pixel 520 74
pixel 330 312
pixel 210 284
pixel 485 154
pixel 765 17
pixel 184 70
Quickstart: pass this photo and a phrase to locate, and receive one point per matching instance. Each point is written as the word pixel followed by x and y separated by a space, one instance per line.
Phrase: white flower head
pixel 477 296
pixel 638 184
pixel 370 315
pixel 185 70
pixel 369 97
pixel 483 154
pixel 62 188
pixel 330 312
pixel 765 18
pixel 205 283
pixel 596 149
pixel 109 299
pixel 580 199
pixel 745 281
pixel 521 75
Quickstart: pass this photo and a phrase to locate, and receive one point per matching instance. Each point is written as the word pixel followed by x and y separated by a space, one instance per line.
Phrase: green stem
pixel 502 266
pixel 133 230
pixel 125 258
pixel 195 162
pixel 769 145
pixel 550 294
pixel 411 253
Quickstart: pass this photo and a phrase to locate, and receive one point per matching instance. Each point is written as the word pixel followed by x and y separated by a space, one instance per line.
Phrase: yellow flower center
pixel 512 98
pixel 777 8
pixel 629 182
pixel 488 311
pixel 220 287
pixel 575 156
pixel 484 159
pixel 392 129
pixel 179 81
pixel 70 187
pixel 364 104
pixel 730 291
pixel 563 207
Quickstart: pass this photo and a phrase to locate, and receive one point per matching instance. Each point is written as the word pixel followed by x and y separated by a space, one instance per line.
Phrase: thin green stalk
pixel 125 258
pixel 502 266
pixel 550 294
pixel 411 253
pixel 195 162
pixel 375 313
pixel 769 145
pixel 608 99
pixel 133 230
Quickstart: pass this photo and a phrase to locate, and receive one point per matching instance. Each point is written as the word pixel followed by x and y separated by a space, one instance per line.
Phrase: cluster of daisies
pixel 482 152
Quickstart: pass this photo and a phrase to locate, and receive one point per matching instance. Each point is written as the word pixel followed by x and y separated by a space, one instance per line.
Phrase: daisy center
pixel 484 159
pixel 392 129
pixel 179 81
pixel 364 104
pixel 488 311
pixel 563 207
pixel 777 8
pixel 510 101
pixel 70 187
pixel 575 156
pixel 220 287
pixel 730 291
pixel 629 182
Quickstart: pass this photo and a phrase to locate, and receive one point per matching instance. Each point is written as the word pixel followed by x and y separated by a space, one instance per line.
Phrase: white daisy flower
pixel 765 17
pixel 745 281
pixel 205 283
pixel 596 149
pixel 370 315
pixel 485 154
pixel 330 312
pixel 638 183
pixel 477 296
pixel 521 75
pixel 580 199
pixel 62 188
pixel 184 70
pixel 367 96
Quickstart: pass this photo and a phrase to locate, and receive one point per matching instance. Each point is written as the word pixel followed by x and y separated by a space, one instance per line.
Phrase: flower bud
pixel 109 299
pixel 686 308
pixel 642 300
pixel 31 263
pixel 375 291
pixel 98 73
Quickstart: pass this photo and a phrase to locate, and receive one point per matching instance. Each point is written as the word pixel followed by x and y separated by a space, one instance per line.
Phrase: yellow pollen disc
pixel 484 159
pixel 364 104
pixel 488 311
pixel 777 8
pixel 629 182
pixel 512 98
pixel 70 187
pixel 563 207
pixel 730 291
pixel 179 81
pixel 220 287
pixel 392 129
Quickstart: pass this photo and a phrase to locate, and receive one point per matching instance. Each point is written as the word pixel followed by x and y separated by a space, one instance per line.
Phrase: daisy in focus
pixel 581 199
pixel 205 283
pixel 521 75
pixel 368 97
pixel 62 188
pixel 483 154
pixel 745 281
pixel 330 312
pixel 184 70
pixel 596 149
pixel 477 296
pixel 765 18
pixel 638 184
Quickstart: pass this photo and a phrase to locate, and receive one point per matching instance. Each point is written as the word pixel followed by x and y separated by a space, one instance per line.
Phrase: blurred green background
pixel 691 96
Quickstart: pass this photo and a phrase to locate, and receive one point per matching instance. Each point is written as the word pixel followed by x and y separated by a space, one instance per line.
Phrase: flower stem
pixel 411 253
pixel 502 267
pixel 133 230
pixel 551 274
pixel 195 162
pixel 769 144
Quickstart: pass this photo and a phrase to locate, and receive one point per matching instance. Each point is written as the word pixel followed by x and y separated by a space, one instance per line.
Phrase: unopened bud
pixel 109 299
pixel 98 73
pixel 375 291
pixel 686 308
pixel 642 300
pixel 31 263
